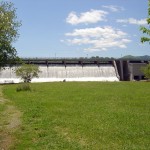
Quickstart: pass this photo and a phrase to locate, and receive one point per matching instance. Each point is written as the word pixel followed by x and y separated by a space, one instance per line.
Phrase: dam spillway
pixel 64 71
pixel 78 73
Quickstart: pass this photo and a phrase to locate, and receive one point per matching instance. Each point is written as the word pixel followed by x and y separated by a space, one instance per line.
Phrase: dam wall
pixel 59 70
pixel 131 70
pixel 65 71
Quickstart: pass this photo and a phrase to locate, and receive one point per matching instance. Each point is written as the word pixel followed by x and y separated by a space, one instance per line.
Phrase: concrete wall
pixel 67 72
pixel 130 70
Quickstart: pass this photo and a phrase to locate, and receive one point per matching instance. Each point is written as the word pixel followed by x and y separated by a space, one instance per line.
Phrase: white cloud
pixel 113 8
pixel 133 21
pixel 98 39
pixel 92 16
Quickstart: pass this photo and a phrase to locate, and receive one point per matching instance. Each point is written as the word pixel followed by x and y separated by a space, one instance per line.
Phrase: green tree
pixel 146 71
pixel 8 32
pixel 146 30
pixel 27 72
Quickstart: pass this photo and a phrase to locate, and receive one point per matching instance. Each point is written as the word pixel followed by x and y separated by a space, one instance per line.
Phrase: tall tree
pixel 146 30
pixel 8 32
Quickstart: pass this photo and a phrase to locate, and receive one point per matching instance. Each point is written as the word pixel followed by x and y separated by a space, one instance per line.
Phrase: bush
pixel 146 71
pixel 23 87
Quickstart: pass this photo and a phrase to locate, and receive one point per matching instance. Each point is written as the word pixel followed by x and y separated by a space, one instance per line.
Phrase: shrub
pixel 146 71
pixel 23 87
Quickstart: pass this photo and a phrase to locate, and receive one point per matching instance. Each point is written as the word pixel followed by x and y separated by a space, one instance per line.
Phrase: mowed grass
pixel 81 116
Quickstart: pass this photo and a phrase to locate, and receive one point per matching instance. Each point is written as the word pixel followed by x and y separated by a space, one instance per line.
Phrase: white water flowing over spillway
pixel 61 72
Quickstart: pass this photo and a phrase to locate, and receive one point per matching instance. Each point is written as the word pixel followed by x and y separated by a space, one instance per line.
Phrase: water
pixel 67 73
pixel 74 71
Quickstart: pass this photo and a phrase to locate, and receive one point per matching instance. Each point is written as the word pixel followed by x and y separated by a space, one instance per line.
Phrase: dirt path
pixel 9 122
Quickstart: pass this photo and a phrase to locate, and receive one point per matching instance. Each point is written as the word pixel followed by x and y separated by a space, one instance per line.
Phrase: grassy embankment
pixel 78 116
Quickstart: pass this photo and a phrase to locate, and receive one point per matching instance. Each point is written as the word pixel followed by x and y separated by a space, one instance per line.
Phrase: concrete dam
pixel 59 70
pixel 55 70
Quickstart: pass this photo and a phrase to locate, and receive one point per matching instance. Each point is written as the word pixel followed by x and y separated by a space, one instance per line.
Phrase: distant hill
pixel 130 57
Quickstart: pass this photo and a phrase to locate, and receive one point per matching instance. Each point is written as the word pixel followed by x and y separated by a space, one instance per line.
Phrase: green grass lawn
pixel 81 116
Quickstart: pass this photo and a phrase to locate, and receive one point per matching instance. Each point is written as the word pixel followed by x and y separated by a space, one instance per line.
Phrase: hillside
pixel 130 57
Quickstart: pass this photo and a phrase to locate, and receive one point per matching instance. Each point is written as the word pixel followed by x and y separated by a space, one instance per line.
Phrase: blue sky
pixel 81 28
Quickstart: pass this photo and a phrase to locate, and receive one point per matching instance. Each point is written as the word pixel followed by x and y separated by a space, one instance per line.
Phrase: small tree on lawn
pixel 27 72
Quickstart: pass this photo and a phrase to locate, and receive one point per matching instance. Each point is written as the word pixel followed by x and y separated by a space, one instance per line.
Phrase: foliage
pixel 146 71
pixel 8 32
pixel 23 87
pixel 27 72
pixel 83 116
pixel 146 30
